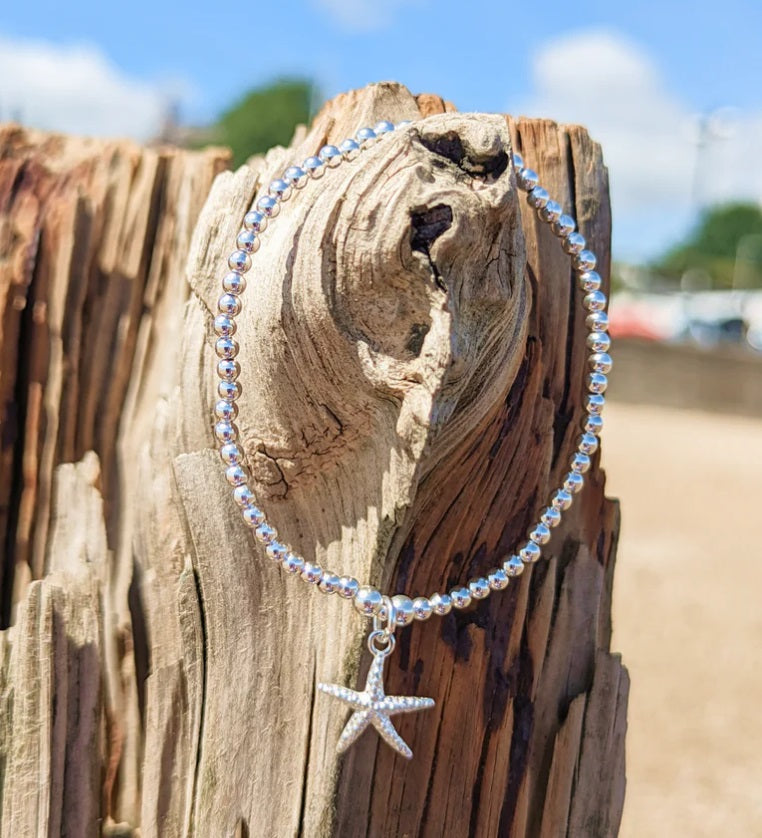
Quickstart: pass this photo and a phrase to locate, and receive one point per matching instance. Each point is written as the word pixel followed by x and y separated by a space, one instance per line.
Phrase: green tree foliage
pixel 726 244
pixel 264 117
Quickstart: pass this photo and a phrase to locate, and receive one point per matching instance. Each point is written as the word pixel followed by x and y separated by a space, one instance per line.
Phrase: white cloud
pixel 363 15
pixel 648 135
pixel 76 89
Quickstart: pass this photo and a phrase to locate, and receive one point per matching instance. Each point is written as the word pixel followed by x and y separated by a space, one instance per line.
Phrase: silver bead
pixel 403 610
pixel 422 608
pixel 598 342
pixel 226 348
pixel 585 260
pixel 594 301
pixel 368 601
pixel 513 566
pixel 461 598
pixel 240 261
pixel 243 496
pixel 588 443
pixel 229 391
pixel 349 149
pixel 252 516
pixel 348 587
pixel 225 431
pixel 595 404
pixel 441 603
pixel 551 517
pixel 589 280
pixel 312 573
pixel 293 563
pixel 538 197
pixel 329 584
pixel 530 552
pixel 331 156
pixel 479 588
pixel 564 226
pixel 597 382
pixel 383 127
pixel 266 534
pixel 600 362
pixel 229 304
pixel 561 500
pixel 276 551
pixel 580 463
pixel 234 283
pixel 226 410
pixel 255 221
pixel 280 189
pixel 573 483
pixel 296 176
pixel 268 206
pixel 551 212
pixel 593 424
pixel 518 162
pixel 574 243
pixel 228 369
pixel 366 137
pixel 597 321
pixel 540 534
pixel 248 240
pixel 314 167
pixel 235 475
pixel 527 179
pixel 224 325
pixel 403 124
pixel 498 579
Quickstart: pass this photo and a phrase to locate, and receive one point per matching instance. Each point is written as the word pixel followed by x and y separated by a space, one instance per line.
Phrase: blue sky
pixel 635 73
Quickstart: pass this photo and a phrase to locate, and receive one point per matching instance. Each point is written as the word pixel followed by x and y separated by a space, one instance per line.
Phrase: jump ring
pixel 380 643
pixel 386 620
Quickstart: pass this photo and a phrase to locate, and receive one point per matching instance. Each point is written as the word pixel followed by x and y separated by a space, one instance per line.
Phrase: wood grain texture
pixel 93 237
pixel 413 363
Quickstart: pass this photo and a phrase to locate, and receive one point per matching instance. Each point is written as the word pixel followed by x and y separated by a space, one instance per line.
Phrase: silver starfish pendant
pixel 373 707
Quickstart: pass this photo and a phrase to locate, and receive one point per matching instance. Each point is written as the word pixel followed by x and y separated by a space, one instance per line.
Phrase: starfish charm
pixel 373 707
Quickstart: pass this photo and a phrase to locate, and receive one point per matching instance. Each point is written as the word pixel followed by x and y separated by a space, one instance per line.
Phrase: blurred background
pixel 672 92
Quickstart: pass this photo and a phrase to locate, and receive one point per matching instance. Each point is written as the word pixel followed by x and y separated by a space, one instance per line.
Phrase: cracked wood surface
pixel 413 357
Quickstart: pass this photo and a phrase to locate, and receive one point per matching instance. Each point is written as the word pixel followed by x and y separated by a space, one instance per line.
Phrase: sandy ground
pixel 688 618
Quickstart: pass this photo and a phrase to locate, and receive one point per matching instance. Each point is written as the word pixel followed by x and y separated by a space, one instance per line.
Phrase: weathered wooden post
pixel 412 390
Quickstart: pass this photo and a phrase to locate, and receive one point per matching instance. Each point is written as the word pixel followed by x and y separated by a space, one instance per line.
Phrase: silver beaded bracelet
pixel 372 706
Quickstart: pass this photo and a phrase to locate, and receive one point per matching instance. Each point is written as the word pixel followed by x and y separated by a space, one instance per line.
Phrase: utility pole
pixel 710 126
